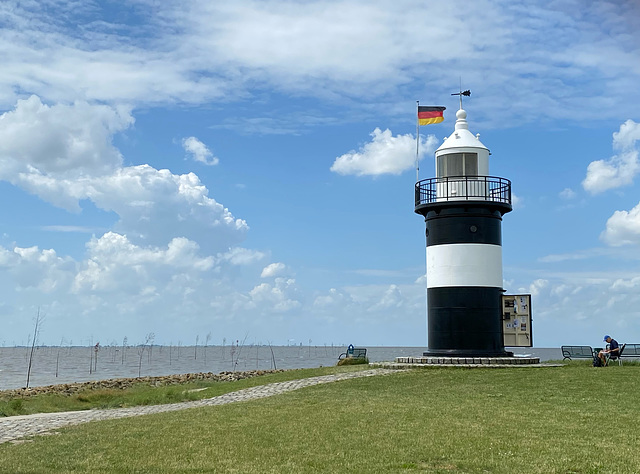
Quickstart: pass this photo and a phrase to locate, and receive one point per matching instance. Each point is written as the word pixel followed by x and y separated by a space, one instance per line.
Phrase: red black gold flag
pixel 429 114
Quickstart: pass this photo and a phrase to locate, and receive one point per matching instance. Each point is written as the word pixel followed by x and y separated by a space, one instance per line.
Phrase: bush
pixel 353 361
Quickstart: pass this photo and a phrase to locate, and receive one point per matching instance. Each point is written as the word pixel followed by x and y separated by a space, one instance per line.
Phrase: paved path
pixel 16 427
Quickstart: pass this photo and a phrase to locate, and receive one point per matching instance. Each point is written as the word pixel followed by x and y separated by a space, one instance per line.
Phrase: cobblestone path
pixel 16 427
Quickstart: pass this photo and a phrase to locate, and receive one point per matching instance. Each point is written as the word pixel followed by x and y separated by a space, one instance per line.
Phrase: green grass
pixel 353 361
pixel 144 394
pixel 548 420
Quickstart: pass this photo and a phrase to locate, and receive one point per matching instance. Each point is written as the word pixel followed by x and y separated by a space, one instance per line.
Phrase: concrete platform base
pixel 421 361
pixel 426 360
pixel 402 366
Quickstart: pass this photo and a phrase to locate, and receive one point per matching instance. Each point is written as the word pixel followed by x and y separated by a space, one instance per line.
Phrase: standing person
pixel 613 351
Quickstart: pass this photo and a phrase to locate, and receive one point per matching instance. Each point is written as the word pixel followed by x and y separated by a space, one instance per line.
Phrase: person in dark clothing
pixel 613 351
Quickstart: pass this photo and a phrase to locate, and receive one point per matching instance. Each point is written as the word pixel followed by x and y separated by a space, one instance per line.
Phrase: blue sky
pixel 246 169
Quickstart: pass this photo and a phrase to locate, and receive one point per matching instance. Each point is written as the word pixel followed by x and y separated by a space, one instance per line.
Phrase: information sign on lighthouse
pixel 463 208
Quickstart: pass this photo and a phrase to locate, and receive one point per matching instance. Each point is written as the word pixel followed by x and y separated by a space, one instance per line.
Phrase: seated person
pixel 613 351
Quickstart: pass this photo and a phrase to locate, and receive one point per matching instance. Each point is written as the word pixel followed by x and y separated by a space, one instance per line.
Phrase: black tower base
pixel 465 322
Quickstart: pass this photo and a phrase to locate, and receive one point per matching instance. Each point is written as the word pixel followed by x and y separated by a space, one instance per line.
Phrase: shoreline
pixel 127 382
pixel 70 366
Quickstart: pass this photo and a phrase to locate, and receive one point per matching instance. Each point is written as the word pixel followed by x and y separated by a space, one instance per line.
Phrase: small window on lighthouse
pixel 457 164
pixel 471 164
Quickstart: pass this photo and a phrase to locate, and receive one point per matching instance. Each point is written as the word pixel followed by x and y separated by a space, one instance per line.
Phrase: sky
pixel 244 171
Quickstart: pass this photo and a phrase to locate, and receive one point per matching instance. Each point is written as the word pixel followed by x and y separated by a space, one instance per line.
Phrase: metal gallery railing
pixel 463 188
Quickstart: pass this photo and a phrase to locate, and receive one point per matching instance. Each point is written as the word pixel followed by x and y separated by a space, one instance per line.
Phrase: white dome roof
pixel 461 137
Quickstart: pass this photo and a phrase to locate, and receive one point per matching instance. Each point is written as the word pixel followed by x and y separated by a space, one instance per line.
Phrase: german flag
pixel 429 114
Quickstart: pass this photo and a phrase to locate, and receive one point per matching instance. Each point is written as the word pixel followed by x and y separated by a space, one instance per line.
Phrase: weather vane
pixel 466 93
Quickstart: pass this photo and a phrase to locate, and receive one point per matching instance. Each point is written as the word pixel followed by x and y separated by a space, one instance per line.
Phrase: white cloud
pixel 156 205
pixel 274 270
pixel 173 249
pixel 39 269
pixel 70 229
pixel 391 299
pixel 384 154
pixel 208 51
pixel 382 302
pixel 623 228
pixel 116 264
pixel 153 205
pixel 120 285
pixel 517 201
pixel 334 298
pixel 73 159
pixel 567 193
pixel 619 170
pixel 60 140
pixel 566 257
pixel 537 286
pixel 279 298
pixel 626 138
pixel 199 151
pixel 626 285
pixel 241 256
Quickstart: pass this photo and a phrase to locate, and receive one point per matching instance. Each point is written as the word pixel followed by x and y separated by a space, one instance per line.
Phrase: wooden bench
pixel 577 352
pixel 355 353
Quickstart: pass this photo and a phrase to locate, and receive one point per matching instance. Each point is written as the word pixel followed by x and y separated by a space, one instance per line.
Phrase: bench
pixel 628 350
pixel 577 352
pixel 631 350
pixel 355 353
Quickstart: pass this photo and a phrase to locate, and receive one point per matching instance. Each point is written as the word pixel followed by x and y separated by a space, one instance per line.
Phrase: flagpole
pixel 417 141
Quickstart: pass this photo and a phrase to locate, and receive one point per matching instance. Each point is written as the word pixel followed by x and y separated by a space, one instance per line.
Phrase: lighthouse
pixel 463 208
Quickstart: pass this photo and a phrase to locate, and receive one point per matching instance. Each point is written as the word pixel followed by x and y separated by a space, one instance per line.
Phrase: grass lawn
pixel 144 394
pixel 517 420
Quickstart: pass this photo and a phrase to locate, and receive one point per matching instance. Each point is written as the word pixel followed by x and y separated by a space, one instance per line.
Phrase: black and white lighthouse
pixel 463 208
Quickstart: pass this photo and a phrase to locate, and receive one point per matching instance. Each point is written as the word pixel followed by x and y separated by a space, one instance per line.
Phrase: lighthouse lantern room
pixel 463 208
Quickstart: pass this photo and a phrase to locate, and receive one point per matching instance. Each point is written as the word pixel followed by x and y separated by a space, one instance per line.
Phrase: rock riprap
pixel 122 383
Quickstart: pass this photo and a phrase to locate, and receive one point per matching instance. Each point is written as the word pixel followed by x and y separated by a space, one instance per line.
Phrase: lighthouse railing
pixel 463 188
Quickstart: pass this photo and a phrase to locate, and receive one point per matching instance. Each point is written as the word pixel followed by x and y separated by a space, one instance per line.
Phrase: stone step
pixel 427 360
